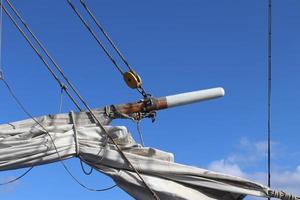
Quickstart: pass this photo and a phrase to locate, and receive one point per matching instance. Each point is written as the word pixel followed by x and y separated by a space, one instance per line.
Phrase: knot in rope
pixel 282 195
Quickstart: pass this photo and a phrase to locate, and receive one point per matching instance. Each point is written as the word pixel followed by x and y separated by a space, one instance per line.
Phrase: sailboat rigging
pixel 143 172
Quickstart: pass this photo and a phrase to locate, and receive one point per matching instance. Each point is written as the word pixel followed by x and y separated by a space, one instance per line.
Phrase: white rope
pixel 61 100
pixel 75 133
pixel 282 195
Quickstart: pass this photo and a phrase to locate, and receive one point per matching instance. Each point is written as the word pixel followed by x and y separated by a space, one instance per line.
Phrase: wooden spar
pixel 170 101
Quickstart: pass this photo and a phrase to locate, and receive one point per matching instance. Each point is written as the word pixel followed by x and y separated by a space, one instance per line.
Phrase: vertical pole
pixel 269 87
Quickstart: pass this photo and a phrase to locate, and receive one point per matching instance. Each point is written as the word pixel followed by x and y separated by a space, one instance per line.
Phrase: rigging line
pixel 22 107
pixel 61 100
pixel 95 37
pixel 55 65
pixel 99 160
pixel 58 68
pixel 99 123
pixel 18 178
pixel 61 84
pixel 269 87
pixel 89 110
pixel 83 169
pixel 138 127
pixel 140 89
pixel 18 101
pixel 105 34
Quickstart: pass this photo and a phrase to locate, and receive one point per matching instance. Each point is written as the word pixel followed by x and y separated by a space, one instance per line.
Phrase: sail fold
pixel 25 144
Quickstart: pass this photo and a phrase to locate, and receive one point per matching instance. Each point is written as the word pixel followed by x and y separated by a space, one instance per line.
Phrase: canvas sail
pixel 25 143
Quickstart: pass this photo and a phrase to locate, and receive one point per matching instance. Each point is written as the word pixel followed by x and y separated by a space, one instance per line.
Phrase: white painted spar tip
pixel 195 96
pixel 222 91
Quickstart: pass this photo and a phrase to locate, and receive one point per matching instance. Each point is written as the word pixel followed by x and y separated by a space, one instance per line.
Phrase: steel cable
pixel 140 89
pixel 18 101
pixel 83 101
pixel 61 84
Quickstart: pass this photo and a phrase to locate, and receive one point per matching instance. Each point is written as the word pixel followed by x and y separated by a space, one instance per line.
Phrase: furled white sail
pixel 25 143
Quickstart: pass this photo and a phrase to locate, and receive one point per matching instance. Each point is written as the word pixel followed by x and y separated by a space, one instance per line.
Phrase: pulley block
pixel 132 79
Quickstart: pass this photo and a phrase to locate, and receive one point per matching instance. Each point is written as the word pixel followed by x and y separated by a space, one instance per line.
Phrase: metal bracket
pixel 150 106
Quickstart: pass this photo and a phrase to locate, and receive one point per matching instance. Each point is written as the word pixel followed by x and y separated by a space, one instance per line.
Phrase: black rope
pixel 269 87
pixel 85 104
pixel 18 101
pixel 16 179
pixel 53 62
pixel 57 67
pixel 140 89
pixel 83 169
pixel 61 84
pixel 95 37
pixel 105 34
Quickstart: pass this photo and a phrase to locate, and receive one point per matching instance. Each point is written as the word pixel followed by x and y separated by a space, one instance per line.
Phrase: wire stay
pixel 80 97
pixel 135 76
pixel 61 84
pixel 269 87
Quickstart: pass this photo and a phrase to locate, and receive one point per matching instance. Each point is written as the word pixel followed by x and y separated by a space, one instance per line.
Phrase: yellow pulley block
pixel 132 79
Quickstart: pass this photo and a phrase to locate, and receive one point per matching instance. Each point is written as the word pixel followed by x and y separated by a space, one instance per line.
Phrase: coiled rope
pixel 282 195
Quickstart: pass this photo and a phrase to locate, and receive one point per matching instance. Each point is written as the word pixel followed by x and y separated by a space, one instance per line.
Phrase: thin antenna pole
pixel 269 87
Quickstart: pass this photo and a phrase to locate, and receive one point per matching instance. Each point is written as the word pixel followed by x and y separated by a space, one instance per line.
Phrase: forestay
pixel 25 143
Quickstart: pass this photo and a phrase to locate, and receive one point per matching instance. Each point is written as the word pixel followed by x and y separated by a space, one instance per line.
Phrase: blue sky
pixel 176 46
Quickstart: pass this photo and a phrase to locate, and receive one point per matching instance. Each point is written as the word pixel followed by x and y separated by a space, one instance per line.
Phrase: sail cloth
pixel 25 144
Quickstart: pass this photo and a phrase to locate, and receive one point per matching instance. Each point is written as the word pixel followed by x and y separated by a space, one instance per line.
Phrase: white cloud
pixel 250 153
pixel 226 167
pixel 287 180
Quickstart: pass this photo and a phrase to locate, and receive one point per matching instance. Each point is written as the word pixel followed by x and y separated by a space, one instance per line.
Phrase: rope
pixel 138 127
pixel 18 178
pixel 18 101
pixel 269 87
pixel 61 84
pixel 77 144
pixel 282 195
pixel 22 107
pixel 57 67
pixel 140 89
pixel 75 133
pixel 106 35
pixel 96 38
pixel 61 100
pixel 79 96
